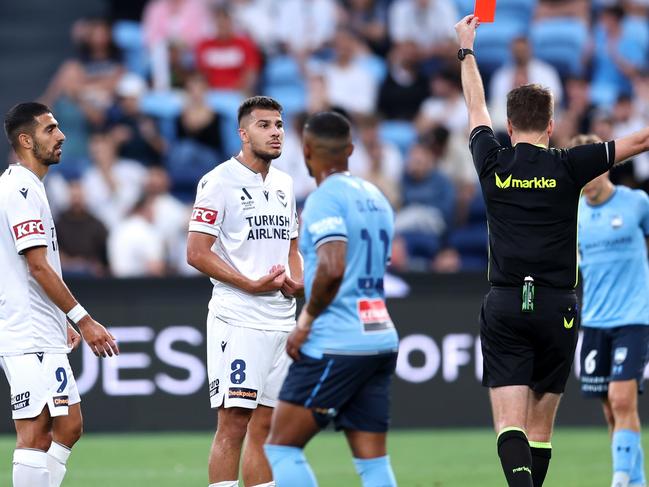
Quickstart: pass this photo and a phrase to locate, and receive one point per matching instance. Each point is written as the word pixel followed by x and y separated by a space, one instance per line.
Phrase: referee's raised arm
pixel 471 79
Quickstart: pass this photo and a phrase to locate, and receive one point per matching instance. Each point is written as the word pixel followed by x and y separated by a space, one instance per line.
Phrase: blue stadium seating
pixel 492 44
pixel 283 81
pixel 128 36
pixel 560 42
pixel 400 133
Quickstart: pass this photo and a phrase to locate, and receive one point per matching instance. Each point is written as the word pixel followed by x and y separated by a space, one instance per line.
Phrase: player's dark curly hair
pixel 22 119
pixel 263 102
pixel 530 108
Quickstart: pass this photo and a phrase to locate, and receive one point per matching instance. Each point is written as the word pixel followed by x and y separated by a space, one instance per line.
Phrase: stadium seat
pixel 283 81
pixel 224 101
pixel 400 133
pixel 376 66
pixel 560 42
pixel 129 38
pixel 282 70
pixel 162 104
pixel 492 46
pixel 165 107
pixel 292 99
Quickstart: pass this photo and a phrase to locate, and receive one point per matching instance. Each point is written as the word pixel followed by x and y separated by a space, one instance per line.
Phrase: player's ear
pixel 243 135
pixel 349 149
pixel 550 128
pixel 510 127
pixel 25 141
pixel 306 149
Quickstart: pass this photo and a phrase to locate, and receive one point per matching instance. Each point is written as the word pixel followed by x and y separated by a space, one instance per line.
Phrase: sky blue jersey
pixel 349 209
pixel 613 259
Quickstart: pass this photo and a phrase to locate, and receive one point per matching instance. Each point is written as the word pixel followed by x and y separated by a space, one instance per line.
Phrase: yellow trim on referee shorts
pixel 541 444
pixel 511 428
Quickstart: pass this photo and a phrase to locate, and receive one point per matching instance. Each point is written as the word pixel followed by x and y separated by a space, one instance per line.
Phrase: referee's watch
pixel 462 53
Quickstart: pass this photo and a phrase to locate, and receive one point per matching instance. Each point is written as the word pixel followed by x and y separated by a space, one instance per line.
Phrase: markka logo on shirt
pixel 28 228
pixel 204 215
pixel 534 183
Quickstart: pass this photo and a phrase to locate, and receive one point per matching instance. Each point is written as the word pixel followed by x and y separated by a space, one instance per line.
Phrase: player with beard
pixel 243 235
pixel 36 307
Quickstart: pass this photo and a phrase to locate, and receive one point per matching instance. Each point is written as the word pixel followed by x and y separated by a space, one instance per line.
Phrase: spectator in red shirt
pixel 229 61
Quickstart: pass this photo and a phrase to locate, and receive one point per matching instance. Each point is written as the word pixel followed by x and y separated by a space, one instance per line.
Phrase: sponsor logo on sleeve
pixel 24 192
pixel 20 401
pixel 60 401
pixel 204 215
pixel 28 228
pixel 242 393
pixel 326 225
pixel 374 315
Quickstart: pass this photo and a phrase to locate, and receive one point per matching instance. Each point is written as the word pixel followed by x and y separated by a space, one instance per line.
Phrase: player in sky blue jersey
pixel 344 344
pixel 613 226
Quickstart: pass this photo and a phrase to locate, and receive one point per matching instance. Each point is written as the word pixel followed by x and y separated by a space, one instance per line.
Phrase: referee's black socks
pixel 515 457
pixel 541 454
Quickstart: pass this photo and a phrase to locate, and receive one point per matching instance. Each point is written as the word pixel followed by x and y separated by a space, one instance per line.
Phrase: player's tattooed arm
pixel 328 277
pixel 98 338
pixel 201 257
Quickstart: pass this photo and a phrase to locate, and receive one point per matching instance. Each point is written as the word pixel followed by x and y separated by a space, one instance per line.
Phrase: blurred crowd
pixel 149 103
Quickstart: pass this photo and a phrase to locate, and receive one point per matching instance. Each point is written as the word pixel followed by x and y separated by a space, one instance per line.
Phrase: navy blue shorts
pixel 351 390
pixel 612 354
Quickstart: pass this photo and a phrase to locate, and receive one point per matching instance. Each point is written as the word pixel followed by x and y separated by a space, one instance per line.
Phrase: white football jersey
pixel 29 320
pixel 254 221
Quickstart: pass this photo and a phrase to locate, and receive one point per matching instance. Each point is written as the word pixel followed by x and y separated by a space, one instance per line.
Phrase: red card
pixel 485 10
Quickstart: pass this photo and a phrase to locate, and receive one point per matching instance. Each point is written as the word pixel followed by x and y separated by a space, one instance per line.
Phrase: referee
pixel 529 318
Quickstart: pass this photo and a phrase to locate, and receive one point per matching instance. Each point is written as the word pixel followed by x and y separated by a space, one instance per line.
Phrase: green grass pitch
pixel 421 458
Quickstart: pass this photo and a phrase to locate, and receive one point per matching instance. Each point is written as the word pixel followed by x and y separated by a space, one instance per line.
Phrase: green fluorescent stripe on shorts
pixel 511 428
pixel 541 444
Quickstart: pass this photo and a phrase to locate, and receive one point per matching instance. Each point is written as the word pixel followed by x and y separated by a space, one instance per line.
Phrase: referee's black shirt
pixel 532 197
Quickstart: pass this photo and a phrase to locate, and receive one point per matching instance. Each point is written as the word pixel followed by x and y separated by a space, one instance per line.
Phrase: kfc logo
pixel 204 215
pixel 30 227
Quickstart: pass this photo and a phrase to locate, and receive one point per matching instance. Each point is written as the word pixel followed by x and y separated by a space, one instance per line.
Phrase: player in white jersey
pixel 243 234
pixel 36 305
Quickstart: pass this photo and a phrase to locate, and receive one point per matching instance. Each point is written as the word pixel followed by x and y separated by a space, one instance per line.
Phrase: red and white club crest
pixel 27 228
pixel 204 215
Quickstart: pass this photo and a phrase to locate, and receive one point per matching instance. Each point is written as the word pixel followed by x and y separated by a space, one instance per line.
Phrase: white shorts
pixel 37 380
pixel 245 366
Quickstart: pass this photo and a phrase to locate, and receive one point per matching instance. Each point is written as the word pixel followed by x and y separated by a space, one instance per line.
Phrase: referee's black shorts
pixel 535 349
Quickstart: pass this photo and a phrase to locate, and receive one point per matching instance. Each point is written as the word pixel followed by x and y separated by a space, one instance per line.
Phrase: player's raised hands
pixel 272 281
pixel 100 341
pixel 465 30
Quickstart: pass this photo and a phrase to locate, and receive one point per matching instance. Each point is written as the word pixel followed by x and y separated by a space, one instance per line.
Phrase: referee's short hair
pixel 530 108
pixel 263 102
pixel 21 118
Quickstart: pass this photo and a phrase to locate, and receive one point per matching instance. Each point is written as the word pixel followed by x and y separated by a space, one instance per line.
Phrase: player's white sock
pixel 620 479
pixel 30 468
pixel 57 457
pixel 226 483
pixel 267 484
